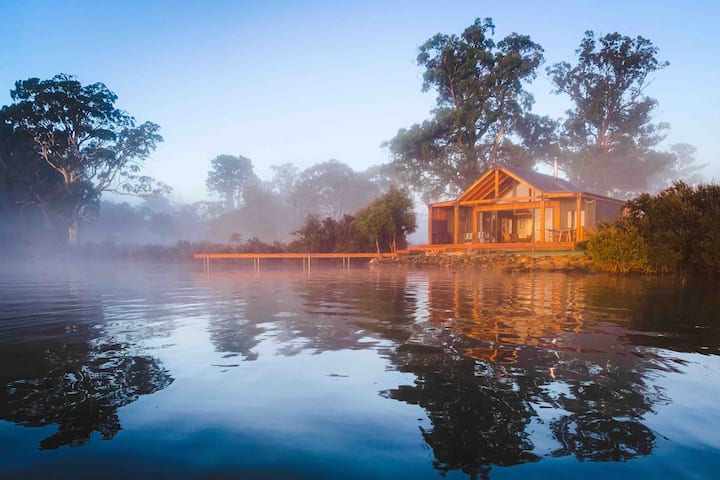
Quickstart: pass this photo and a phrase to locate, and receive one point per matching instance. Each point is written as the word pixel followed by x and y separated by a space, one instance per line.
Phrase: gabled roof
pixel 507 177
pixel 540 181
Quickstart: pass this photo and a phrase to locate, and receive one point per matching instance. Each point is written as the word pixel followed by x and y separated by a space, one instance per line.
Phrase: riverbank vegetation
pixel 65 146
pixel 676 231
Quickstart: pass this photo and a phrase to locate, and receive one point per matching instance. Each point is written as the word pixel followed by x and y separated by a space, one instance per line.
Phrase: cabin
pixel 514 205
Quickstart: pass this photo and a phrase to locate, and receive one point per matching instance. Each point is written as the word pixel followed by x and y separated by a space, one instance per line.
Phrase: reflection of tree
pixel 74 360
pixel 232 331
pixel 479 417
pixel 502 347
pixel 81 390
pixel 487 353
pixel 604 422
pixel 311 315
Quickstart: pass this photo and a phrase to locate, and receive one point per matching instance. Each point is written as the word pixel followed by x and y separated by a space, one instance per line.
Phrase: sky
pixel 305 82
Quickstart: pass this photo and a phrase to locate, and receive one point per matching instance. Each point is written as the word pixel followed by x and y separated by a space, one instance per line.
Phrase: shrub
pixel 619 247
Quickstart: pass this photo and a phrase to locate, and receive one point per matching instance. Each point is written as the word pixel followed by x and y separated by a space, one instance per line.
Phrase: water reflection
pixel 493 355
pixel 64 363
pixel 501 369
pixel 506 347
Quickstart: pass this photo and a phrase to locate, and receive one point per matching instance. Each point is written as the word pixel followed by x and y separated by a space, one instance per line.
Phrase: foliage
pixel 78 132
pixel 390 217
pixel 328 236
pixel 481 107
pixel 383 224
pixel 609 138
pixel 677 230
pixel 375 222
pixel 228 176
pixel 284 177
pixel 330 189
pixel 619 247
pixel 681 225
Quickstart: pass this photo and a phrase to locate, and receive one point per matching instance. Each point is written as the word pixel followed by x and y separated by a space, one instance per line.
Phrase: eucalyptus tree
pixel 610 139
pixel 482 112
pixel 90 143
pixel 228 176
pixel 330 189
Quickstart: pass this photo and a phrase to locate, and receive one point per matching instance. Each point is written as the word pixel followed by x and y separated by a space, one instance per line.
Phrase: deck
pixel 485 247
pixel 414 250
pixel 305 257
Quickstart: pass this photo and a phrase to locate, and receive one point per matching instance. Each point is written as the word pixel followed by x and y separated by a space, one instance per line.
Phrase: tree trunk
pixel 73 232
pixel 377 245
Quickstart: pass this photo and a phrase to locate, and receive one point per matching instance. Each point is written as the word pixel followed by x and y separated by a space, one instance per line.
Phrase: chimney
pixel 555 170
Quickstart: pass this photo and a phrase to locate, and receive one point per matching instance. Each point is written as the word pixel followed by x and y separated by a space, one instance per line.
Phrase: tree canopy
pixel 228 176
pixel 610 140
pixel 482 112
pixel 388 219
pixel 330 189
pixel 80 134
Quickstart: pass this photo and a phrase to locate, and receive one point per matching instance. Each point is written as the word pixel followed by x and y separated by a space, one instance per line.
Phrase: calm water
pixel 162 372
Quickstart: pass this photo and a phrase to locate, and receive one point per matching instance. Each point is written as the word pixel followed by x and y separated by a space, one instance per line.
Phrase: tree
pixel 315 236
pixel 609 135
pixel 284 177
pixel 390 218
pixel 376 223
pixel 330 189
pixel 227 178
pixel 29 187
pixel 482 110
pixel 683 167
pixel 81 135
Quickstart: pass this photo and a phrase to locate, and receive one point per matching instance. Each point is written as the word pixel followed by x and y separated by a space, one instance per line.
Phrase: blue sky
pixel 304 82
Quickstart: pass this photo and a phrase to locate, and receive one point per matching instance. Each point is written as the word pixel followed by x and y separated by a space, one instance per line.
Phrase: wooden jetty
pixel 306 258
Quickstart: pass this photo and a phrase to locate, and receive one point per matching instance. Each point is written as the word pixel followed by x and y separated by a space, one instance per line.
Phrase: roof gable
pixel 508 177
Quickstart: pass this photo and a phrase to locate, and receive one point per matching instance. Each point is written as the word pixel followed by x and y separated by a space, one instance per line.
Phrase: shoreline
pixel 505 262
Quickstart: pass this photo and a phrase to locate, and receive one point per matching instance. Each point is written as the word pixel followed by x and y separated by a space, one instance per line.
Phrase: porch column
pixel 456 223
pixel 429 227
pixel 542 219
pixel 474 224
pixel 578 216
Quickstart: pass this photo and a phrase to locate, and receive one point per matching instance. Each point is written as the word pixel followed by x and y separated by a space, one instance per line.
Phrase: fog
pixel 244 209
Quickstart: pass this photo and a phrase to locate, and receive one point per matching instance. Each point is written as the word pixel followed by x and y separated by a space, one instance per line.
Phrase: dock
pixel 305 257
pixel 345 258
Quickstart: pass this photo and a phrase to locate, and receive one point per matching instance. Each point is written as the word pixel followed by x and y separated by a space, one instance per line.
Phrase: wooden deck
pixel 297 255
pixel 415 250
pixel 305 257
pixel 493 247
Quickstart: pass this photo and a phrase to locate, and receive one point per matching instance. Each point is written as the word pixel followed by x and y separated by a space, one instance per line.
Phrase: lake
pixel 131 371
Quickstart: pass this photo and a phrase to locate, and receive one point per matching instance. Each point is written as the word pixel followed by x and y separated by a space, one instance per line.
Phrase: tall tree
pixel 481 114
pixel 227 178
pixel 331 189
pixel 284 177
pixel 609 134
pixel 94 146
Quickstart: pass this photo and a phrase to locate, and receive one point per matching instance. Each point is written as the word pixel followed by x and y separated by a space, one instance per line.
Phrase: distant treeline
pixel 383 225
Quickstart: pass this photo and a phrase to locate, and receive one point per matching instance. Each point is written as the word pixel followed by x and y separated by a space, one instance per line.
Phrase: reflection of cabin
pixel 510 204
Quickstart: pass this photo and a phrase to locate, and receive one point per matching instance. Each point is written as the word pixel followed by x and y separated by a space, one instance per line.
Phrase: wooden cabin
pixel 514 205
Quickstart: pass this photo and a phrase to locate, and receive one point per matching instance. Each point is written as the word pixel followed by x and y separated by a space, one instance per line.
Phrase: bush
pixel 619 247
pixel 681 226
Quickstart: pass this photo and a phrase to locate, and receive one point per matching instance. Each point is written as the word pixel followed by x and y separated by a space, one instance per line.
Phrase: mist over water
pixel 138 371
